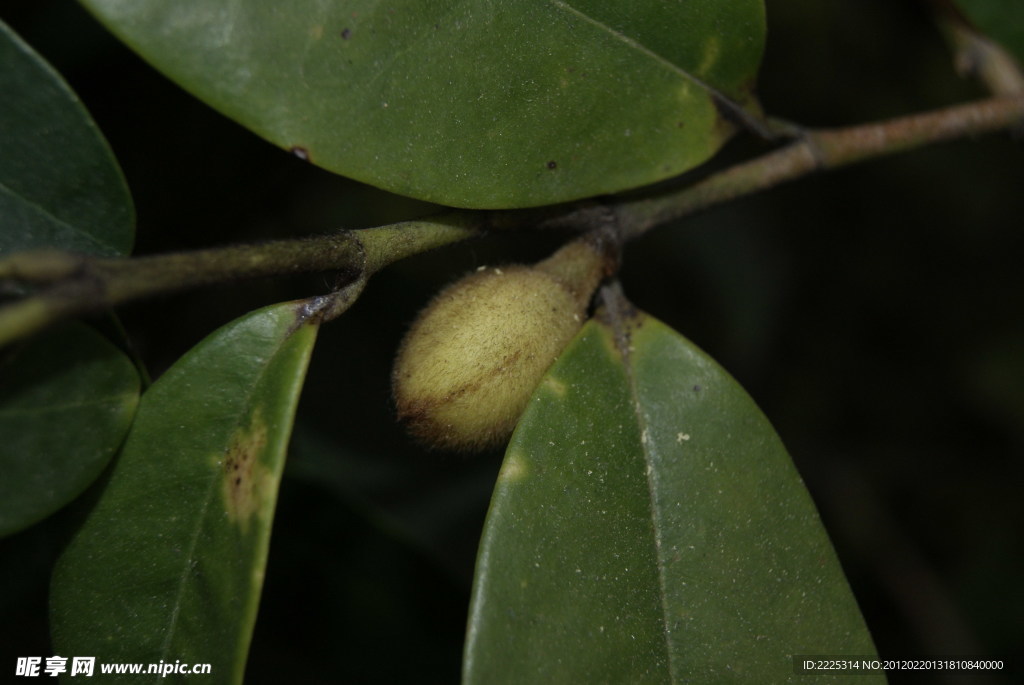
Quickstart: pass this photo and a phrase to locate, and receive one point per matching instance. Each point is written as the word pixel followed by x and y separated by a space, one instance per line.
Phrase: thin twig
pixel 819 150
pixel 70 285
pixel 81 284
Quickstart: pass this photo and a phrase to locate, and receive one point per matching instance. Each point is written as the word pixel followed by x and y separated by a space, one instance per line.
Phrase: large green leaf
pixel 59 183
pixel 1003 20
pixel 477 103
pixel 66 402
pixel 169 565
pixel 648 527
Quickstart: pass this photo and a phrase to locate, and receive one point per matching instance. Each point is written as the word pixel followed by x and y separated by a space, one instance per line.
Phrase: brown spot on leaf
pixel 552 164
pixel 346 33
pixel 245 477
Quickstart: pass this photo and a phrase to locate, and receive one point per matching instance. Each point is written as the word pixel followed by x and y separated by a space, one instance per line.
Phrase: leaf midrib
pixel 209 497
pixel 115 400
pixel 636 45
pixel 107 248
pixel 649 470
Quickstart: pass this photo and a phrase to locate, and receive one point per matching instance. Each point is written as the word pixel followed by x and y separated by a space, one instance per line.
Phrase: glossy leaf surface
pixel 474 103
pixel 66 403
pixel 649 527
pixel 59 183
pixel 1002 20
pixel 169 564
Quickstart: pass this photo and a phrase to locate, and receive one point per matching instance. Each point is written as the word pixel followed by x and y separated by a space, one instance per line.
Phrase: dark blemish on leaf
pixel 696 388
pixel 552 164
pixel 300 152
pixel 680 125
pixel 245 485
pixel 346 33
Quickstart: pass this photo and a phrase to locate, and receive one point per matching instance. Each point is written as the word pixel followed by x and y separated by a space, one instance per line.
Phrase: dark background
pixel 874 313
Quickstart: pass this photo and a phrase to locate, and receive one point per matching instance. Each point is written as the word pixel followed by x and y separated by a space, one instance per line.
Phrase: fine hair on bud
pixel 472 359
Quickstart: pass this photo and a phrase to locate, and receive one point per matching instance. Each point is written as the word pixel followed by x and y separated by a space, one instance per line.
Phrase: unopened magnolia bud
pixel 473 357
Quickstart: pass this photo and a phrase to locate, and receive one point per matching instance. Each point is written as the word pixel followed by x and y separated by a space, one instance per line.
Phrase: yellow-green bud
pixel 473 357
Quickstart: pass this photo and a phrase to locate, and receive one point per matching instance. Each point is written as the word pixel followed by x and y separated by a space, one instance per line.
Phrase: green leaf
pixel 59 183
pixel 648 527
pixel 1001 20
pixel 169 564
pixel 470 103
pixel 66 403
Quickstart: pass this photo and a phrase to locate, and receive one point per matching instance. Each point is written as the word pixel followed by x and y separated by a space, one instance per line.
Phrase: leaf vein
pixel 18 197
pixel 721 99
pixel 98 402
pixel 650 469
pixel 635 45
